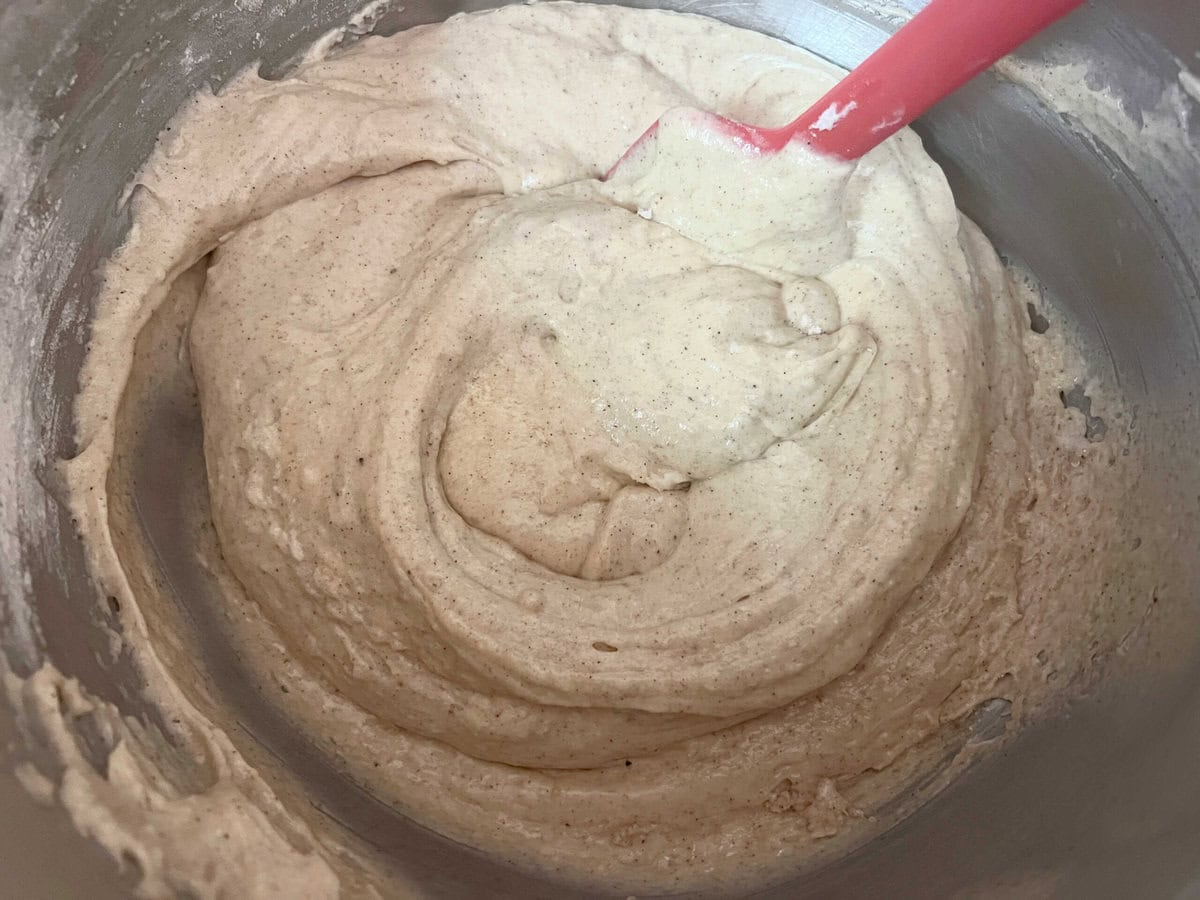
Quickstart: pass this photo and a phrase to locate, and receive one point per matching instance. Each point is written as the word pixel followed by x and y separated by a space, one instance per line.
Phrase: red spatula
pixel 945 45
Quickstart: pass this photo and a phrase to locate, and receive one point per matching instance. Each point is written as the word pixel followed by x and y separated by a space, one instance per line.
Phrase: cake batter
pixel 654 530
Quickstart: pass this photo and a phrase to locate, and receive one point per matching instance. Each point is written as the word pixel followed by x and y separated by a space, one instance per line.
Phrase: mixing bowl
pixel 1101 200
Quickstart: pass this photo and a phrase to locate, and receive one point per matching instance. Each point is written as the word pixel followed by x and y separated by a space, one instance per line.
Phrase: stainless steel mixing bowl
pixel 1101 802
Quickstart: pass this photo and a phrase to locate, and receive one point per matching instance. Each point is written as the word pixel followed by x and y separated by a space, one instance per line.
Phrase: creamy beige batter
pixel 653 530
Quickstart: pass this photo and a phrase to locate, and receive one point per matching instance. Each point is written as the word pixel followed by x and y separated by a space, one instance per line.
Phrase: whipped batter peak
pixel 651 530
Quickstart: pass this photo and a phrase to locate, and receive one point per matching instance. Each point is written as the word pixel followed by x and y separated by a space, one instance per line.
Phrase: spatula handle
pixel 945 45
